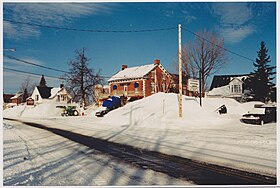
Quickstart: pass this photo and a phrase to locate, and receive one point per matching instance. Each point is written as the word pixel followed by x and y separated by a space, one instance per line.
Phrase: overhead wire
pixel 114 31
pixel 46 67
pixel 218 45
pixel 92 30
pixel 34 64
pixel 31 73
pixel 126 31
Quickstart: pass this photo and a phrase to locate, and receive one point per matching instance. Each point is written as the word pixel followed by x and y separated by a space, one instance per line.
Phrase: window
pixel 153 74
pixel 163 87
pixel 236 89
pixel 152 87
pixel 36 97
pixel 136 86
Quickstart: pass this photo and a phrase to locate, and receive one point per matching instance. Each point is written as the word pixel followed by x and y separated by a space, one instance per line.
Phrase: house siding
pixel 161 84
pixel 130 87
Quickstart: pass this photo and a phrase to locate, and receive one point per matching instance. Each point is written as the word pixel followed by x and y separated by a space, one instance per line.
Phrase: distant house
pixel 7 98
pixel 51 94
pixel 17 98
pixel 230 86
pixel 141 81
pixel 101 93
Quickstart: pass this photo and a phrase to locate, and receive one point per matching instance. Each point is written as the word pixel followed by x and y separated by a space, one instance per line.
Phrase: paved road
pixel 34 156
pixel 182 170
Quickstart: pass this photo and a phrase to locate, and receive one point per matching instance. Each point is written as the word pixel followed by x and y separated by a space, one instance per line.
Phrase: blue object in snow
pixel 108 103
pixel 113 102
pixel 116 101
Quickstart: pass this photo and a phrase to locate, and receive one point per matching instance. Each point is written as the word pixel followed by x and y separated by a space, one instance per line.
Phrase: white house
pixel 234 89
pixel 50 94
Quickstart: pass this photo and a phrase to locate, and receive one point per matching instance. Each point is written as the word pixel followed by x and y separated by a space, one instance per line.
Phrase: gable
pixel 45 92
pixel 236 81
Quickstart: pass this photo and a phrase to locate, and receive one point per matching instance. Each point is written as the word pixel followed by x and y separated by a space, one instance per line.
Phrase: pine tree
pixel 43 82
pixel 25 95
pixel 260 82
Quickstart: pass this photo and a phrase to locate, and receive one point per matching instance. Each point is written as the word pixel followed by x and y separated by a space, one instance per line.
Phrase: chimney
pixel 156 62
pixel 61 86
pixel 124 67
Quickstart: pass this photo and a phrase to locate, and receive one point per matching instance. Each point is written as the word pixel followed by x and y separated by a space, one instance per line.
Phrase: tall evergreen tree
pixel 25 95
pixel 43 82
pixel 260 82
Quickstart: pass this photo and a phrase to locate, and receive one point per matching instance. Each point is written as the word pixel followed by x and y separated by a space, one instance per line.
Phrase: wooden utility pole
pixel 200 90
pixel 180 70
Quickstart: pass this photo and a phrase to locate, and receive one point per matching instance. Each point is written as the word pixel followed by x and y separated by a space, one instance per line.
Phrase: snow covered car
pixel 108 105
pixel 101 111
pixel 261 115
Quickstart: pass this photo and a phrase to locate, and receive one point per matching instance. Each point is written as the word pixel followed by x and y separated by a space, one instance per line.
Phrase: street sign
pixel 193 85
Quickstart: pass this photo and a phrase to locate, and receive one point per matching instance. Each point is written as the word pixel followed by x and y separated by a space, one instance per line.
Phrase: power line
pixel 50 68
pixel 92 30
pixel 219 46
pixel 31 73
pixel 30 63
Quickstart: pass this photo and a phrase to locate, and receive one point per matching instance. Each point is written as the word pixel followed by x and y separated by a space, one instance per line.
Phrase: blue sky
pixel 242 25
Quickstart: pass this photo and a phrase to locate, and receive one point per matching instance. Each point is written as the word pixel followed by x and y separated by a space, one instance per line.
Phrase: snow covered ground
pixel 153 123
pixel 35 157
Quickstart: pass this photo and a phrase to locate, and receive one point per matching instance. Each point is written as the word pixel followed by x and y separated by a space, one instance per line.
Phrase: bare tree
pixel 27 85
pixel 206 54
pixel 81 78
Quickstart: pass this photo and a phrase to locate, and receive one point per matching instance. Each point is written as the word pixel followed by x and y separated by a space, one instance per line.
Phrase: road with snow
pixel 69 150
pixel 35 156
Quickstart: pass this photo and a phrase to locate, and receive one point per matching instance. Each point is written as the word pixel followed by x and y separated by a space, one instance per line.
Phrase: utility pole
pixel 180 70
pixel 200 86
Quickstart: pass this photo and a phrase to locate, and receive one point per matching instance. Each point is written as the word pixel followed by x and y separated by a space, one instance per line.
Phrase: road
pixel 70 151
pixel 34 156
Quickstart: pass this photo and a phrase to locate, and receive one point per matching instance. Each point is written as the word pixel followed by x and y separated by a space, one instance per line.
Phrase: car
pixel 101 111
pixel 261 115
pixel 111 103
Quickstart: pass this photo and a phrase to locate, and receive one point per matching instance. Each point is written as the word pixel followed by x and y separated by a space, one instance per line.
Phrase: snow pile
pixel 41 110
pixel 162 109
pixel 220 91
pixel 14 112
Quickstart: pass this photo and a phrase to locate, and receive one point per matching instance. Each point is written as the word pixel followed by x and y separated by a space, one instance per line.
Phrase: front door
pixel 125 90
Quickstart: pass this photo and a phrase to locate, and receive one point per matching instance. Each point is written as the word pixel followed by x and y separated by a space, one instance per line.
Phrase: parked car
pixel 108 105
pixel 261 115
pixel 101 111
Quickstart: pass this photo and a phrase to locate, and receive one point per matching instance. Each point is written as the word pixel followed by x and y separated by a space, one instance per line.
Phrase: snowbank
pixel 40 110
pixel 162 109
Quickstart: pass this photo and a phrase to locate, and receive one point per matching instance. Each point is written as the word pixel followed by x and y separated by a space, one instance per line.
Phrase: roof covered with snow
pixel 220 91
pixel 133 72
pixel 222 80
pixel 17 95
pixel 54 91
